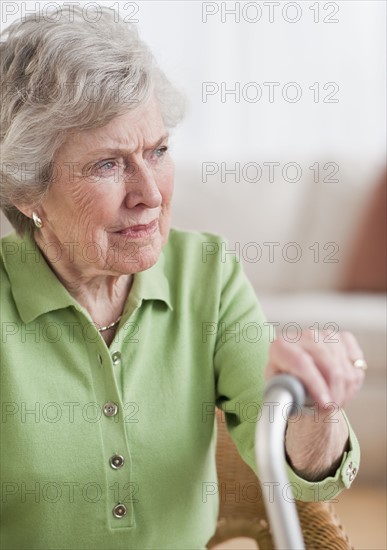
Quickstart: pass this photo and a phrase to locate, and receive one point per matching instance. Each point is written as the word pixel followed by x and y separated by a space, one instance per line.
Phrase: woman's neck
pixel 102 295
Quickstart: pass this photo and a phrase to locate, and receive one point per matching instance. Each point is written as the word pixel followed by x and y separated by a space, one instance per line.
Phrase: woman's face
pixel 109 207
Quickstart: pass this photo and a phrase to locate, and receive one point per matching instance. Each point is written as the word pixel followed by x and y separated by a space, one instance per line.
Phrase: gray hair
pixel 62 76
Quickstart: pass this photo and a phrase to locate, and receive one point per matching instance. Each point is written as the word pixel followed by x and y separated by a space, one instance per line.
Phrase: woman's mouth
pixel 139 231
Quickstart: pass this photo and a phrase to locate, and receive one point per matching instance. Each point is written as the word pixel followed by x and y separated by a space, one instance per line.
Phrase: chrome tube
pixel 282 395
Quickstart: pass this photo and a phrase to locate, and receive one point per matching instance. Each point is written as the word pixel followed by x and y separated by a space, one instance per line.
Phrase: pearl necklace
pixel 102 329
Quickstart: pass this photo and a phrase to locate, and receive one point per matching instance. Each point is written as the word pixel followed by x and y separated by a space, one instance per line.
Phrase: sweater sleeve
pixel 241 354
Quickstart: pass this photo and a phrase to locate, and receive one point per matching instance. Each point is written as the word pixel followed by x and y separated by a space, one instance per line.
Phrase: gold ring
pixel 360 364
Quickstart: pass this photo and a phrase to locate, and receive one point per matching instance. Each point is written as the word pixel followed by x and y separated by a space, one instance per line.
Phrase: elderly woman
pixel 118 339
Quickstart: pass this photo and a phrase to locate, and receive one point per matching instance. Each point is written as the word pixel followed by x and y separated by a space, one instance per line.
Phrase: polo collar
pixel 37 290
pixel 152 284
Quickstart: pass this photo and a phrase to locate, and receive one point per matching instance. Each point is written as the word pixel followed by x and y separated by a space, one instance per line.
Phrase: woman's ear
pixel 31 212
pixel 25 209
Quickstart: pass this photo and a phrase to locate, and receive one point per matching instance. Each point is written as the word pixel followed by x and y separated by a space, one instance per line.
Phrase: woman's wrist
pixel 314 447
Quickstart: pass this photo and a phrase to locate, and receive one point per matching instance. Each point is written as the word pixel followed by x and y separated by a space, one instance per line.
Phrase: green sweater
pixel 90 432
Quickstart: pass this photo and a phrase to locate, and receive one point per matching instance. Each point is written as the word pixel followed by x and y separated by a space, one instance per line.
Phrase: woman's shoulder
pixel 207 269
pixel 11 246
pixel 202 256
pixel 183 234
pixel 8 244
pixel 197 250
pixel 194 243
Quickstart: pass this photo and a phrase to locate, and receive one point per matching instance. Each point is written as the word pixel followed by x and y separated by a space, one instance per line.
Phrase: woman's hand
pixel 315 444
pixel 324 364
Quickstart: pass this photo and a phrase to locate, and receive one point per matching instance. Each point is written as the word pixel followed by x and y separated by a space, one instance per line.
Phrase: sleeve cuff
pixel 327 489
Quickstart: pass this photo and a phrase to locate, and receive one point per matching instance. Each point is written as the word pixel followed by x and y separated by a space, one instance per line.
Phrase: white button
pixel 110 409
pixel 116 357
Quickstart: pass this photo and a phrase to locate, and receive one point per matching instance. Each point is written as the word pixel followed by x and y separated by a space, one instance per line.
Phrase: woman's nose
pixel 141 187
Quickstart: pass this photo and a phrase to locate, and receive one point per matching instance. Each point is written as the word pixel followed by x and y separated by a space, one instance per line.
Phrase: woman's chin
pixel 136 256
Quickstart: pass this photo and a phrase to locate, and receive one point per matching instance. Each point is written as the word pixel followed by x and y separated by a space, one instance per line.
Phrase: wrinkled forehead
pixel 142 127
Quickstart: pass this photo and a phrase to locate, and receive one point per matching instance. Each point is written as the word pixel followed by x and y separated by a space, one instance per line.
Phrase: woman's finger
pixel 329 359
pixel 325 368
pixel 354 352
pixel 287 358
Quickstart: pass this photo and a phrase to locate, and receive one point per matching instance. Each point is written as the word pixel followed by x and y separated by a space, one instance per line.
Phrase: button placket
pixel 114 440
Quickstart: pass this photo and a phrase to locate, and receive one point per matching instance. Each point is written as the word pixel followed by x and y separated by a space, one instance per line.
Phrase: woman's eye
pixel 108 165
pixel 160 152
pixel 105 168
